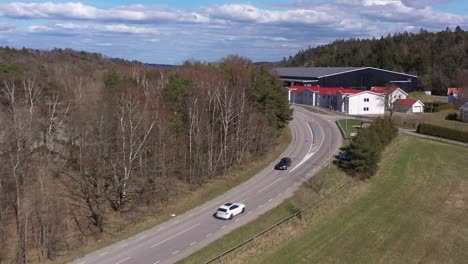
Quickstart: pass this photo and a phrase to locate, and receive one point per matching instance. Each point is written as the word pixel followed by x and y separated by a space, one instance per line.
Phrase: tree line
pixel 439 59
pixel 85 139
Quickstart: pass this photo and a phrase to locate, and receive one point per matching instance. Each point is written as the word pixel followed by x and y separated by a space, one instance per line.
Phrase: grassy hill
pixel 413 211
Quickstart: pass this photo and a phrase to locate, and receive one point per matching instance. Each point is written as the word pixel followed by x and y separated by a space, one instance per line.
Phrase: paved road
pixel 187 233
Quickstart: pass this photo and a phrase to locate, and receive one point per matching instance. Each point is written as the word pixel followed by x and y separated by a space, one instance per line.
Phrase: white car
pixel 229 210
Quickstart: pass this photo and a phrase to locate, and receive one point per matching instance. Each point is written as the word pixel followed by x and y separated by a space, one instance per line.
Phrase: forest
pixel 85 139
pixel 439 59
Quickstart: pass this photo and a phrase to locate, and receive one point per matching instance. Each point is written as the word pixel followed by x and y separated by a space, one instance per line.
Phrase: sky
pixel 173 31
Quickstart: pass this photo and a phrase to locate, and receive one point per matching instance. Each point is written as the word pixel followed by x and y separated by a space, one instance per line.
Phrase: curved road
pixel 189 232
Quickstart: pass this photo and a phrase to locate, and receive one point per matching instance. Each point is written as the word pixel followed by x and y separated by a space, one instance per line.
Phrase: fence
pixel 287 219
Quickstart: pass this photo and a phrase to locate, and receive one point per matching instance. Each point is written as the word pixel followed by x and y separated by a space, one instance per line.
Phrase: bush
pixel 443 132
pixel 364 151
pixel 433 107
pixel 452 116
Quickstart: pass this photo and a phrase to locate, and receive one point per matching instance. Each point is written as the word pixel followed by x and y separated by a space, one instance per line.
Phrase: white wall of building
pixel 395 95
pixel 418 107
pixel 366 103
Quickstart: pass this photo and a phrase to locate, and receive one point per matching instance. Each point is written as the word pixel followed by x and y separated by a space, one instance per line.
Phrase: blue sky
pixel 171 32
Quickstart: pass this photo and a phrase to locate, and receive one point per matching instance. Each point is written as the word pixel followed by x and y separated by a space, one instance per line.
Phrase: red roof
pixel 383 89
pixel 407 102
pixel 454 91
pixel 324 90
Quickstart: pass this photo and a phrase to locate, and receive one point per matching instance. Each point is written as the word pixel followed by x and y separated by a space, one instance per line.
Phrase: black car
pixel 283 164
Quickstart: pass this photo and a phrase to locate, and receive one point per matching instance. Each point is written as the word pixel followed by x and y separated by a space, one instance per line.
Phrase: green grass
pixel 350 126
pixel 413 211
pixel 187 201
pixel 421 96
pixel 318 110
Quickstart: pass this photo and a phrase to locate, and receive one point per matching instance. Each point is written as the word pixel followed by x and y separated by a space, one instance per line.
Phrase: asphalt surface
pixel 315 139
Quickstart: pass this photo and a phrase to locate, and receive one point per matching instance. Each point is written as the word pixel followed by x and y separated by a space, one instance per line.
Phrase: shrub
pixel 452 116
pixel 364 151
pixel 443 132
pixel 433 107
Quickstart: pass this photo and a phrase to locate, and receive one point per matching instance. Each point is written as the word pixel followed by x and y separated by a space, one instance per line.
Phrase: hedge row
pixel 443 132
pixel 436 106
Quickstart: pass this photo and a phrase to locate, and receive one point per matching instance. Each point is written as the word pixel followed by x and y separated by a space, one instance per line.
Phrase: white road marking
pixel 309 153
pixel 124 245
pixel 175 222
pixel 249 212
pixel 123 260
pixel 260 206
pixel 193 243
pixel 157 262
pixel 178 234
pixel 82 262
pixel 237 219
pixel 264 188
pixel 270 200
pixel 190 215
pixel 105 253
pixel 223 227
pixel 243 200
pixel 209 235
pixel 175 252
pixel 142 236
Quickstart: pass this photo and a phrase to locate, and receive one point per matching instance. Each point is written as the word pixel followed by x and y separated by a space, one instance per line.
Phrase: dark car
pixel 283 164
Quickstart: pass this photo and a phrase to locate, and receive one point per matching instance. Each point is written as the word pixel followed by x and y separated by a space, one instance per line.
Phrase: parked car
pixel 343 156
pixel 283 164
pixel 229 210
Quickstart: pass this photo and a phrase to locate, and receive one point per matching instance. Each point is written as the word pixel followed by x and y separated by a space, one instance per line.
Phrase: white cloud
pixel 79 11
pixel 90 28
pixel 6 27
pixel 211 32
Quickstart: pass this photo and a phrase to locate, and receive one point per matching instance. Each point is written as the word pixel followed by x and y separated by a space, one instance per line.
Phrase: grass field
pixel 349 126
pixel 413 211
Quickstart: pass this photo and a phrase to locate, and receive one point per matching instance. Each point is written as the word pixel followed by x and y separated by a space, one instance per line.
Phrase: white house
pixel 408 106
pixel 362 103
pixel 392 94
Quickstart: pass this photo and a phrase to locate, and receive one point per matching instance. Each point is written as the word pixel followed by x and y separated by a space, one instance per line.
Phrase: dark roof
pixel 313 72
pixel 319 72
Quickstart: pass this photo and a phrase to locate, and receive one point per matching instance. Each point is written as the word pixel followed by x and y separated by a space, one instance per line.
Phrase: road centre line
pixel 270 200
pixel 260 206
pixel 209 234
pixel 249 212
pixel 124 245
pixel 123 260
pixel 223 227
pixel 261 190
pixel 175 252
pixel 178 234
pixel 105 253
pixel 193 243
pixel 157 262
